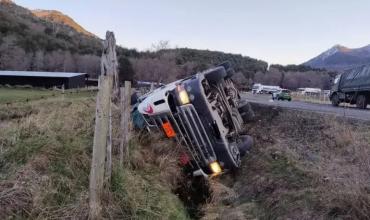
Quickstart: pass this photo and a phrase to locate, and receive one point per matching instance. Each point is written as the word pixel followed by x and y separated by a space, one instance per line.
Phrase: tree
pixel 161 45
pixel 240 80
pixel 38 61
pixel 69 64
pixel 125 70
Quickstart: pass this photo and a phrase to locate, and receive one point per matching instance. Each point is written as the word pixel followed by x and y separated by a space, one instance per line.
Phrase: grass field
pixel 14 95
pixel 46 140
pixel 9 95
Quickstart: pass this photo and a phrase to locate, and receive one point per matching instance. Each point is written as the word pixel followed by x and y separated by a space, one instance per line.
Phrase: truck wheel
pixel 237 120
pixel 247 112
pixel 335 100
pixel 216 75
pixel 245 144
pixel 361 101
pixel 233 159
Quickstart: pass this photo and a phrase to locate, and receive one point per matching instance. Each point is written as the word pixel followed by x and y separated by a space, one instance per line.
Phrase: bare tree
pixel 161 45
pixel 38 61
pixel 88 64
pixel 162 69
pixel 69 64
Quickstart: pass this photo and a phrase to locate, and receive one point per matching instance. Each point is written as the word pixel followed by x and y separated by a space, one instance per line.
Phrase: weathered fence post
pixel 108 165
pixel 99 148
pixel 99 166
pixel 125 122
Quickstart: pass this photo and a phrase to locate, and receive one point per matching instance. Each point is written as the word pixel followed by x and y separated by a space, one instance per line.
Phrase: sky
pixel 276 31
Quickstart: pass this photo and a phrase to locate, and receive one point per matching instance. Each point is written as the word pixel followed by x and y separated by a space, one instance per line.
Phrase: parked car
pixel 282 95
pixel 353 86
pixel 203 113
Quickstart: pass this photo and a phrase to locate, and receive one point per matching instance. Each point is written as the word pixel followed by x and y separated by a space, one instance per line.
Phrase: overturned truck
pixel 204 113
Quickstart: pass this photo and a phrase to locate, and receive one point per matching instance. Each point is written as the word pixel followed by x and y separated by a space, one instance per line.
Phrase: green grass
pixel 14 95
pixel 10 95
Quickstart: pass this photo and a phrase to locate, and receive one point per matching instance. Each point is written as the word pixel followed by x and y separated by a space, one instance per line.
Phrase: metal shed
pixel 43 79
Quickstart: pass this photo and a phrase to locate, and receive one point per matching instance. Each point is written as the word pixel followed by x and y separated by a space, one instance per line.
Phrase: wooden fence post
pixel 99 148
pixel 125 122
pixel 108 165
pixel 101 168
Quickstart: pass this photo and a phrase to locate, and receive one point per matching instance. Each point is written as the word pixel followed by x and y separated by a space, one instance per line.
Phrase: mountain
pixel 341 58
pixel 58 17
pixel 48 40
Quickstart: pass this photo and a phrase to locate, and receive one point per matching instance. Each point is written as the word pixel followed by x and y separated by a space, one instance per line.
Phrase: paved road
pixel 349 112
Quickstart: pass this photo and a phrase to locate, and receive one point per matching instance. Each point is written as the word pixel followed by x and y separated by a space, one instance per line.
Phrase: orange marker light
pixel 168 130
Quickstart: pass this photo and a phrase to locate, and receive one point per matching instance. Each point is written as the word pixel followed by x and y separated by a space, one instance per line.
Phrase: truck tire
pixel 245 144
pixel 361 101
pixel 237 120
pixel 230 71
pixel 232 157
pixel 335 100
pixel 216 75
pixel 247 112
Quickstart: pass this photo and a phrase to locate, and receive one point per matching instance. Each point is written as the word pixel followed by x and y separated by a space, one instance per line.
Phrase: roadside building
pixel 43 79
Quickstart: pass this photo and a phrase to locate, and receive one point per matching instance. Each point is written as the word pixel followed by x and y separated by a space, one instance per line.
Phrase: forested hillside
pixel 59 17
pixel 30 43
pixel 296 76
pixel 52 41
pixel 170 64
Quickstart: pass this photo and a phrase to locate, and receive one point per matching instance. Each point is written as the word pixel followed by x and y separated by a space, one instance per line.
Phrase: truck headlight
pixel 183 95
pixel 215 168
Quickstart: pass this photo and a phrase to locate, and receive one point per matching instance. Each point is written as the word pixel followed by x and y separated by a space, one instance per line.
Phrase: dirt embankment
pixel 303 166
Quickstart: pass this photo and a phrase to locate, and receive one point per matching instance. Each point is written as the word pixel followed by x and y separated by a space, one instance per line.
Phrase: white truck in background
pixel 309 91
pixel 267 89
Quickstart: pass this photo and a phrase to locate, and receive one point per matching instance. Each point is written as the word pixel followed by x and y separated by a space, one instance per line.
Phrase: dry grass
pixel 45 150
pixel 43 144
pixel 304 166
pixel 144 190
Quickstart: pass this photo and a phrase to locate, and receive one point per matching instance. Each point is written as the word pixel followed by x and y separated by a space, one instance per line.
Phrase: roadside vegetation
pixel 303 166
pixel 45 152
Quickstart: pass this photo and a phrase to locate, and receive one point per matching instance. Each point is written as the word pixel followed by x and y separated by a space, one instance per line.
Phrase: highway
pixel 341 111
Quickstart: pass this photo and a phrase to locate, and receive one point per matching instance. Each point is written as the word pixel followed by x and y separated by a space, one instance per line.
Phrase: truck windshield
pixel 336 80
